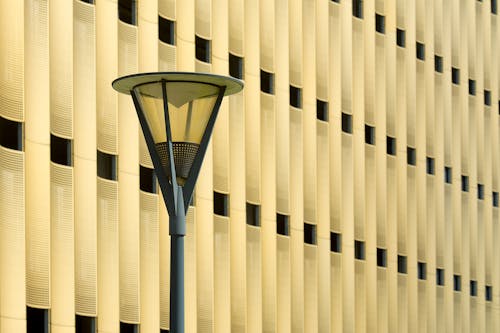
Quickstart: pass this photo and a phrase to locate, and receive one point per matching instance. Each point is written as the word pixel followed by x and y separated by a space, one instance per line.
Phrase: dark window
pixel 60 150
pixel 147 179
pixel 88 1
pixel 447 175
pixel 370 134
pixel 357 8
pixel 495 199
pixel 402 264
pixel 400 37
pixel 380 23
pixel 266 82
pixel 455 75
pixel 359 250
pixel 11 134
pixel 487 97
pixel 422 271
pixel 457 282
pixel 473 288
pixel 472 87
pixel 37 320
pixel 253 214
pixel 391 145
pixel 106 165
pixel 381 257
pixel 202 49
pixel 166 30
pixel 127 11
pixel 321 110
pixel 411 156
pixel 84 324
pixel 440 276
pixel 164 331
pixel 309 233
pixel 295 97
pixel 493 6
pixel 235 66
pixel 465 183
pixel 221 204
pixel 346 123
pixel 282 224
pixel 488 293
pixel 420 51
pixel 129 328
pixel 335 242
pixel 480 191
pixel 430 165
pixel 337 1
pixel 438 64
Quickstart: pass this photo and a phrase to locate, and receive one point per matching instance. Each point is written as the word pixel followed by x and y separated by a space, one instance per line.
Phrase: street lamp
pixel 177 113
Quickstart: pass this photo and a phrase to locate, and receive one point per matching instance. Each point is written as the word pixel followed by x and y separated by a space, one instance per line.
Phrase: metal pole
pixel 177 232
pixel 177 284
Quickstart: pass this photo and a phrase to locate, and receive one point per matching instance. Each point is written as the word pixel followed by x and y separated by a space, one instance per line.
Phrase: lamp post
pixel 177 113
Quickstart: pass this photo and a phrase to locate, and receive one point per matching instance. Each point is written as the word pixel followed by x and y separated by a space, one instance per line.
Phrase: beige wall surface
pixel 75 243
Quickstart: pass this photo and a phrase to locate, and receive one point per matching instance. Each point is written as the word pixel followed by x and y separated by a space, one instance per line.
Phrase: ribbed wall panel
pixel 11 60
pixel 254 280
pixel 166 57
pixel 106 71
pixel 37 130
pixel 127 49
pixel 37 224
pixel 283 290
pixel 167 9
pixel 268 212
pixel 129 232
pixel 236 27
pixel 202 18
pixel 310 289
pixel 128 194
pixel 108 306
pixel 86 246
pixel 205 261
pixel 222 287
pixel 202 67
pixel 62 261
pixel 61 67
pixel 12 240
pixel 252 140
pixel 84 105
pixel 149 262
pixel 220 150
pixel 237 230
pixel 266 35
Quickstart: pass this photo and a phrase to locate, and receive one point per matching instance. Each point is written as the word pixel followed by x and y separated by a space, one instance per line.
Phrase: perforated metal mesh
pixel 184 154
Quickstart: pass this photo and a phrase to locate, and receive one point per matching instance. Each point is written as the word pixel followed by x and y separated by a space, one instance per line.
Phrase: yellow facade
pixel 79 244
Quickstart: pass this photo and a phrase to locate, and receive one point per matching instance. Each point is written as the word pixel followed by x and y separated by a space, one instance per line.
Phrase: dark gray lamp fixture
pixel 177 113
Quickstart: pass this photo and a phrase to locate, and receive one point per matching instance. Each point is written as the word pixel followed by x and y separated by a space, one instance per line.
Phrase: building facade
pixel 351 187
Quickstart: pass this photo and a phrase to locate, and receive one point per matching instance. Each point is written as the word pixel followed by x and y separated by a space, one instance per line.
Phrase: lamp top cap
pixel 125 84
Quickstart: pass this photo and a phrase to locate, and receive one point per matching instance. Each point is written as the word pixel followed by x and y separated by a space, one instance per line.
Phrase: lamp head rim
pixel 126 83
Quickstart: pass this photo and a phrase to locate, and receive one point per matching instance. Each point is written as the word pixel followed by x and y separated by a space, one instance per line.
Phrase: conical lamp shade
pixel 189 108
